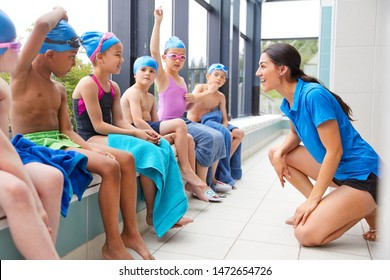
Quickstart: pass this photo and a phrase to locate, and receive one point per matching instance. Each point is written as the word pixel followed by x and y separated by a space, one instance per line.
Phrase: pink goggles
pixel 11 45
pixel 105 37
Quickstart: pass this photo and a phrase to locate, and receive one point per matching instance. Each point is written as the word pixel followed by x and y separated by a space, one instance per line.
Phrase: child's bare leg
pixel 130 235
pixel 149 190
pixel 214 169
pixel 29 232
pixel 179 127
pixel 108 198
pixel 237 136
pixel 49 189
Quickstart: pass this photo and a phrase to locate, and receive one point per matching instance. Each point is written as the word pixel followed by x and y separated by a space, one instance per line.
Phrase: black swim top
pixel 84 125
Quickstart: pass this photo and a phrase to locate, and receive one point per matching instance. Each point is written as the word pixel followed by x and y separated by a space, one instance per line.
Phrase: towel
pixel 158 163
pixel 223 173
pixel 73 166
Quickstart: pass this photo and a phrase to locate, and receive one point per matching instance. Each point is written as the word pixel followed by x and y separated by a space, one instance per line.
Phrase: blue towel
pixel 158 163
pixel 72 165
pixel 224 171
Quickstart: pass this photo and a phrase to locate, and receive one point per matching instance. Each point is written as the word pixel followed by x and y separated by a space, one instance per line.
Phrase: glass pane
pixel 243 5
pixel 197 44
pixel 241 92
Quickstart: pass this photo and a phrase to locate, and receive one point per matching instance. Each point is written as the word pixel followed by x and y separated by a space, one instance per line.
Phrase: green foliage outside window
pixel 71 80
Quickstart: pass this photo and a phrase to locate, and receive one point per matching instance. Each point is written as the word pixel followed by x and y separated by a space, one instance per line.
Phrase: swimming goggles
pixel 105 37
pixel 175 56
pixel 217 66
pixel 75 42
pixel 11 45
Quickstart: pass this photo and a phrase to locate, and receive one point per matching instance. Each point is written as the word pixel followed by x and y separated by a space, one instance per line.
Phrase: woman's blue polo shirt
pixel 313 105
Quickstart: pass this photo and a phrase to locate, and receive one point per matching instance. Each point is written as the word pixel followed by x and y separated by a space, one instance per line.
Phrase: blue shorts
pixel 155 126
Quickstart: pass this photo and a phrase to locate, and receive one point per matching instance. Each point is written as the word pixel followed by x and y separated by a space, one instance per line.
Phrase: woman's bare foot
pixel 290 221
pixel 182 222
pixel 372 234
pixel 115 252
pixel 199 192
pixel 136 243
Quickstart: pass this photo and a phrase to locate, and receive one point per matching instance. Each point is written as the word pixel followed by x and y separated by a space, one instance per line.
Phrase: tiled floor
pixel 249 224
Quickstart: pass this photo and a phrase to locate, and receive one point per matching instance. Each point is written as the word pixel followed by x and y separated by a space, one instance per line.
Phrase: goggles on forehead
pixel 11 45
pixel 175 56
pixel 217 66
pixel 105 37
pixel 75 42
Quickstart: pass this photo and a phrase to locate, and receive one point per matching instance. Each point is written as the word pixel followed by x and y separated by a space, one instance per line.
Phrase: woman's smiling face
pixel 268 73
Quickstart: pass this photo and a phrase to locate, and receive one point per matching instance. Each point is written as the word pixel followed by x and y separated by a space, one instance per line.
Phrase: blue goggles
pixel 217 66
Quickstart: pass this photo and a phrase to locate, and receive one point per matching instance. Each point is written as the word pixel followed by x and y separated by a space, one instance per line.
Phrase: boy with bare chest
pixel 40 112
pixel 210 109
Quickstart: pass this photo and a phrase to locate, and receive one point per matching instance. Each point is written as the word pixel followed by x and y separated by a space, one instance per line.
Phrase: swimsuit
pixel 84 125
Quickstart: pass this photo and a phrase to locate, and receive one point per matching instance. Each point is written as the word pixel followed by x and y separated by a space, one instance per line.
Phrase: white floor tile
pixel 251 250
pixel 162 255
pixel 200 245
pixel 321 254
pixel 223 227
pixel 269 234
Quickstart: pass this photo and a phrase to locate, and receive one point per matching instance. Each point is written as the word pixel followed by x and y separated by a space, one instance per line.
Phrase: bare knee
pixel 271 153
pixel 307 236
pixel 15 192
pixel 238 134
pixel 55 180
pixel 109 168
pixel 181 125
pixel 126 161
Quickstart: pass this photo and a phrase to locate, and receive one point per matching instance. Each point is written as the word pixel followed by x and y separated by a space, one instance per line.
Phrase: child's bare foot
pixel 182 222
pixel 118 252
pixel 149 219
pixel 136 243
pixel 199 192
pixel 190 176
pixel 170 138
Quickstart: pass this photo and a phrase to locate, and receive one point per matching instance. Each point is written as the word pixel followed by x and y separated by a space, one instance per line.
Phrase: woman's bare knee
pixel 271 153
pixel 307 237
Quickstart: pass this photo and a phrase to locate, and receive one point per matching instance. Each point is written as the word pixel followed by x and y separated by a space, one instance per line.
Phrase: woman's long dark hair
pixel 287 55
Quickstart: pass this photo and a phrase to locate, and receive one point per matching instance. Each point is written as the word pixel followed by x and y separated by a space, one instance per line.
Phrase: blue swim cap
pixel 61 38
pixel 217 66
pixel 175 43
pixel 95 42
pixel 145 61
pixel 7 30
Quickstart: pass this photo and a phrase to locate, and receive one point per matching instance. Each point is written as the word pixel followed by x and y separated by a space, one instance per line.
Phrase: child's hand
pixel 189 97
pixel 158 14
pixel 149 135
pixel 62 11
pixel 213 87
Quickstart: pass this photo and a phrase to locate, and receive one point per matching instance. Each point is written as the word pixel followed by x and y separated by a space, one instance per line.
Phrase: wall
pixel 361 52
